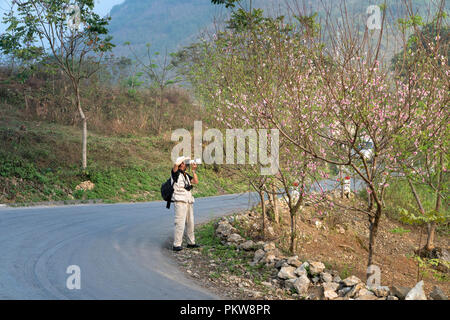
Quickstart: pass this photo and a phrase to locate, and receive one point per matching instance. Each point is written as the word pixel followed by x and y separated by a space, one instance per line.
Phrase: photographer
pixel 184 202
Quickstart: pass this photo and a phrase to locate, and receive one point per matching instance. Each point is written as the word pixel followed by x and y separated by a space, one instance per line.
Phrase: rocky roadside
pixel 260 271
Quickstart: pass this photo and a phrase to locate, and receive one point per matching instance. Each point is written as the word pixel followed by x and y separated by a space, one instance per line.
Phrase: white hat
pixel 180 160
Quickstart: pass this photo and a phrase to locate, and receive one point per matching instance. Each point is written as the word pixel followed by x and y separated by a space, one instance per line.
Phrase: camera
pixel 190 162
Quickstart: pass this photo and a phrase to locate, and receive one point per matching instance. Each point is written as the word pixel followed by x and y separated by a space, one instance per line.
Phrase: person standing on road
pixel 184 202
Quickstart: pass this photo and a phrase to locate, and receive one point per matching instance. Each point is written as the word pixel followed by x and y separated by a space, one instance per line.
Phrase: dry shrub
pixel 109 109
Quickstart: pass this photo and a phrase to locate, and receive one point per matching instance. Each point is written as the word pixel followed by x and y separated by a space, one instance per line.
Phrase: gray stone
pixel 270 232
pixel 330 295
pixel 364 292
pixel 438 294
pixel 399 291
pixel 329 290
pixel 224 229
pixel 300 271
pixel 367 297
pixel 293 261
pixel 344 291
pixel 270 258
pixel 330 286
pixel 381 292
pixel 355 290
pixel 337 279
pixel 235 238
pixel 289 284
pixel 417 292
pixel 248 245
pixel 287 273
pixel 351 281
pixel 305 266
pixel 316 267
pixel 326 277
pixel 301 284
pixel 280 263
pixel 315 279
pixel 269 246
pixel 258 256
pixel 392 298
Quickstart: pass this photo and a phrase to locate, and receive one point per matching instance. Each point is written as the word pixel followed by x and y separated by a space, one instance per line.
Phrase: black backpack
pixel 167 191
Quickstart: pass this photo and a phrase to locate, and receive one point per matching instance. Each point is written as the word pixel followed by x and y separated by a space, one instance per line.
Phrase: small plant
pixel 346 271
pixel 399 230
pixel 428 266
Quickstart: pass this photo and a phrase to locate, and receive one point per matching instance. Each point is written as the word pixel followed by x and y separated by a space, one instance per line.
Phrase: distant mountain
pixel 170 24
pixel 162 23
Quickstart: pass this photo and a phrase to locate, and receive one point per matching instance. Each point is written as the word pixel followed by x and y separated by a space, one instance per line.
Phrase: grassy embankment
pixel 40 161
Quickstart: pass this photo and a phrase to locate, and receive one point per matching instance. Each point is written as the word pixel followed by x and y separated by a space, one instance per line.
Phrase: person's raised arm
pixel 194 173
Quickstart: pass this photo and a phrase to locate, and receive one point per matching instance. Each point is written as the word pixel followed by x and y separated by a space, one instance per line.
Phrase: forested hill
pixel 163 23
pixel 170 24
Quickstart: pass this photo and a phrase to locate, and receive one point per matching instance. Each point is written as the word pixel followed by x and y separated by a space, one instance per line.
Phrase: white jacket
pixel 179 192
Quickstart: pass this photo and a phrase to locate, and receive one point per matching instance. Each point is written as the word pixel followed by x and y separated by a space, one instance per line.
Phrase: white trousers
pixel 184 219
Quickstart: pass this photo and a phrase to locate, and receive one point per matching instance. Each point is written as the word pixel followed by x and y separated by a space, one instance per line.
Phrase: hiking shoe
pixel 193 246
pixel 176 249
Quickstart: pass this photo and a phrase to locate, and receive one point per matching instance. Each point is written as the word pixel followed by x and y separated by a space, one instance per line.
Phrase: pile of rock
pixel 85 186
pixel 324 284
pixel 311 279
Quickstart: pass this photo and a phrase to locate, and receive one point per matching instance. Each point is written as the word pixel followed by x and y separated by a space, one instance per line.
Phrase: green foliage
pixel 227 3
pixel 424 34
pixel 347 271
pixel 400 230
pixel 428 266
pixel 37 165
pixel 229 259
pixel 413 217
pixel 400 204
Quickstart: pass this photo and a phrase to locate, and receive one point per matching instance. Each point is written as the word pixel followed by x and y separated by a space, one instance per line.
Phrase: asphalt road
pixel 121 249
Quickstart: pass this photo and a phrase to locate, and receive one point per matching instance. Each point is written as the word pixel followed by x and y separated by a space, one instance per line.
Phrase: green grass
pixel 347 271
pixel 40 161
pixel 399 196
pixel 399 230
pixel 231 260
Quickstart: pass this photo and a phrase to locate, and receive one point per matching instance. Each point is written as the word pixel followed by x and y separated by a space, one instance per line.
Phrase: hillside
pixel 163 23
pixel 171 24
pixel 39 163
pixel 40 151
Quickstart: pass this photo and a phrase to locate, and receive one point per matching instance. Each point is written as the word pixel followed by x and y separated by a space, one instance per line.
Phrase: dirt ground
pixel 339 239
pixel 347 251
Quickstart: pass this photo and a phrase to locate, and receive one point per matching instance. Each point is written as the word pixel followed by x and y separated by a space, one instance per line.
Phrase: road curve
pixel 121 249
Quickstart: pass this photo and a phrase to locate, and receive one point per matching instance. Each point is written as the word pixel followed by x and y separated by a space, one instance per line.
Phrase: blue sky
pixel 102 7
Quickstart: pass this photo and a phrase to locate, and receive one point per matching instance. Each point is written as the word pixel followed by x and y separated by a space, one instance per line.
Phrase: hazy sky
pixel 102 7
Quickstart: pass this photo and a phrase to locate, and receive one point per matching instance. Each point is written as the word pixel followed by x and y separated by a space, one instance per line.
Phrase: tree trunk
pixel 293 233
pixel 84 133
pixel 275 205
pixel 341 182
pixel 84 143
pixel 263 210
pixel 431 228
pixel 432 225
pixel 161 111
pixel 374 222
